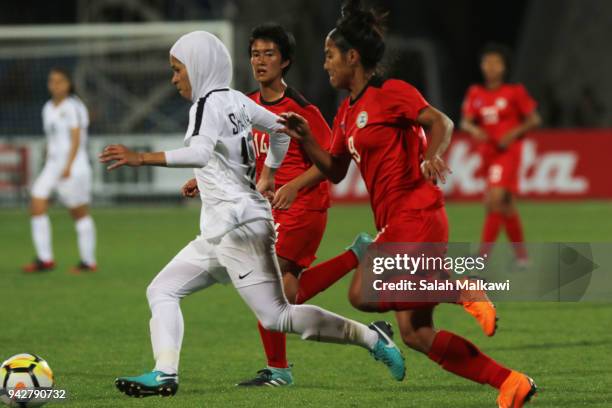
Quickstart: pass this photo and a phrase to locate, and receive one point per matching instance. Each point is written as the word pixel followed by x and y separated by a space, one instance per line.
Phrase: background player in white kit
pixel 237 233
pixel 67 171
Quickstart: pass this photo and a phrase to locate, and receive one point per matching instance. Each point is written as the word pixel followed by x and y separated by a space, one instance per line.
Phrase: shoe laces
pixel 265 374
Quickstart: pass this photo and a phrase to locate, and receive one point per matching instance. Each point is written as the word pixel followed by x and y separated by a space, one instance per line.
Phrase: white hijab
pixel 207 60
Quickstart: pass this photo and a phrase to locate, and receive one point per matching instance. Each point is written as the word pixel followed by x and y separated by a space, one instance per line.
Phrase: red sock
pixel 490 231
pixel 514 229
pixel 459 356
pixel 275 345
pixel 320 277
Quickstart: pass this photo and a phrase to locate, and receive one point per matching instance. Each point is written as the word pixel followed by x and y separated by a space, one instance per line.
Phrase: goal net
pixel 121 71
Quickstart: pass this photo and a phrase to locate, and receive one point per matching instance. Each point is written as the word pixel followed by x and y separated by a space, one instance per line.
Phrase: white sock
pixel 41 235
pixel 314 323
pixel 268 302
pixel 86 236
pixel 176 280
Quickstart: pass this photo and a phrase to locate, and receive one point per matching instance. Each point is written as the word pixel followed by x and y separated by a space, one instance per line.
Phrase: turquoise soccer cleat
pixel 360 244
pixel 271 376
pixel 386 351
pixel 148 384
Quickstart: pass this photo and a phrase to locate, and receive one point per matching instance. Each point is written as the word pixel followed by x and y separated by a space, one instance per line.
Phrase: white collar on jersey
pixel 208 62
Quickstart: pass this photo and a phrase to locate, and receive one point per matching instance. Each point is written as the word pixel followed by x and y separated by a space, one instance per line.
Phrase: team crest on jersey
pixel 501 103
pixel 362 119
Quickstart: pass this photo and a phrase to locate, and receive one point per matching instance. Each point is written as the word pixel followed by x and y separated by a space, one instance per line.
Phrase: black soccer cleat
pixel 271 377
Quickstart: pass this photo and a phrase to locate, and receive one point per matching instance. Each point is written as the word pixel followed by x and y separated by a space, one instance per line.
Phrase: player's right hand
pixel 295 126
pixel 266 187
pixel 190 188
pixel 435 169
pixel 480 135
pixel 284 197
pixel 120 156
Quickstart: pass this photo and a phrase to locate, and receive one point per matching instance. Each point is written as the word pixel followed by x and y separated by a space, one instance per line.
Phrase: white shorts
pixel 72 192
pixel 245 256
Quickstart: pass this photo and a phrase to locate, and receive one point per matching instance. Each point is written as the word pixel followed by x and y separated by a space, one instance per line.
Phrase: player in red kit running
pixel 497 115
pixel 379 126
pixel 301 198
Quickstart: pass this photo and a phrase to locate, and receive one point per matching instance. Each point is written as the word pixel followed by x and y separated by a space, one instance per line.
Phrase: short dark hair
pixel 66 74
pixel 276 33
pixel 362 30
pixel 500 49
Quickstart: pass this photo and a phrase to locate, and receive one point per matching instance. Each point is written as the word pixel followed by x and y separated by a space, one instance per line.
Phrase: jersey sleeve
pixel 267 121
pixel 200 139
pixel 71 115
pixel 467 108
pixel 526 104
pixel 318 126
pixel 402 102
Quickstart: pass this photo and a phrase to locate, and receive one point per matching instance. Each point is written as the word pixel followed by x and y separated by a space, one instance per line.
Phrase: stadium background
pixel 93 328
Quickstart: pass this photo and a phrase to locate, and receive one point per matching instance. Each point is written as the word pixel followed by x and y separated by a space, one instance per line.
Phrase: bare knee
pixel 499 200
pixel 79 212
pixel 357 300
pixel 38 206
pixel 419 339
pixel 290 286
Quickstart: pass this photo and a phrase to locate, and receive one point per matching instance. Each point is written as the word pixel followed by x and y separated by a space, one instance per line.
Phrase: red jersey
pixel 498 110
pixel 296 161
pixel 380 131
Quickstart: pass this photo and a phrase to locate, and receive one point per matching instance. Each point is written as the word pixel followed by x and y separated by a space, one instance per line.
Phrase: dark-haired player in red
pixel 380 127
pixel 302 198
pixel 497 115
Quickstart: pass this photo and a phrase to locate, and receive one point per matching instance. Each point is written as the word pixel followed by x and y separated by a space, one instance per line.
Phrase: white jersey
pixel 223 120
pixel 58 121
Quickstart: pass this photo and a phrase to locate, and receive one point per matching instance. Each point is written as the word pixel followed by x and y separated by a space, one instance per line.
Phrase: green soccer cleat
pixel 360 244
pixel 271 376
pixel 386 351
pixel 148 384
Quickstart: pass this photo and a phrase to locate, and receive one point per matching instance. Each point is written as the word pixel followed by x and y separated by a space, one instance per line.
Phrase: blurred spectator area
pixel 561 54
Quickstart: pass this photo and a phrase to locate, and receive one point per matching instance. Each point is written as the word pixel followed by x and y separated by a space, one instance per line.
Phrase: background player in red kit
pixel 379 126
pixel 497 115
pixel 301 199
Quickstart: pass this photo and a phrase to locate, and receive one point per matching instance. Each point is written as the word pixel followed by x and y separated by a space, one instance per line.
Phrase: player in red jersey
pixel 379 126
pixel 497 115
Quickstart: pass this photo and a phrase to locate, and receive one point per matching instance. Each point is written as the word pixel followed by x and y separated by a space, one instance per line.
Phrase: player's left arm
pixel 75 141
pixel 267 121
pixel 196 155
pixel 287 194
pixel 532 121
pixel 531 118
pixel 440 129
pixel 72 120
pixel 201 143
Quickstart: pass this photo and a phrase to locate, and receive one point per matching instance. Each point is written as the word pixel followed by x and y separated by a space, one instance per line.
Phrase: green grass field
pixel 94 328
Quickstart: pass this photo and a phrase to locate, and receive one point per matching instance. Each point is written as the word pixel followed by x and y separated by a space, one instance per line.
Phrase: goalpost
pixel 122 73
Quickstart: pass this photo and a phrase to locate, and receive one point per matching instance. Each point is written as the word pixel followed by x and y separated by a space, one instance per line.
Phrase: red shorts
pixel 415 226
pixel 501 169
pixel 428 225
pixel 299 233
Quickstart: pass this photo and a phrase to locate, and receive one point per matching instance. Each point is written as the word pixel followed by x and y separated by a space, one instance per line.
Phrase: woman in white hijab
pixel 237 234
